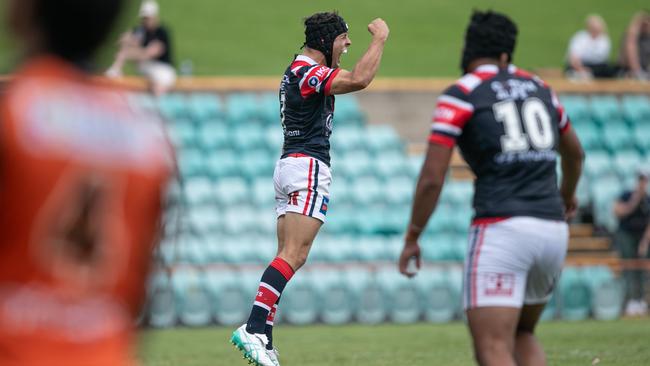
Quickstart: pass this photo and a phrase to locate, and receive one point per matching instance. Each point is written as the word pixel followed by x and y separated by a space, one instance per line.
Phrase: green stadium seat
pixel 222 163
pixel 583 192
pixel 348 112
pixel 642 137
pixel 575 295
pixel 204 220
pixel 238 251
pixel 301 303
pixel 589 135
pixel 182 133
pixel 399 190
pixel 461 218
pixel 341 219
pixel 383 138
pixel 404 302
pixel 337 299
pixel 205 107
pixel 459 192
pixel 391 164
pixel 367 190
pixel 193 301
pixel 440 221
pixel 395 219
pixel 616 136
pixel 230 301
pixel 415 165
pixel 266 221
pixel 161 305
pixel 263 192
pixel 257 163
pixel 604 193
pixel 199 191
pixel 346 138
pixel 371 299
pixel 370 249
pixel 242 109
pixel 576 106
pixel 213 135
pixel 269 109
pixel 627 162
pixel 143 101
pixel 607 293
pixel 173 106
pixel 438 295
pixel 598 164
pixel 636 109
pixel 605 109
pixel 247 137
pixel 240 219
pixel 191 162
pixel 273 139
pixel 355 165
pixel 339 191
pixel 232 191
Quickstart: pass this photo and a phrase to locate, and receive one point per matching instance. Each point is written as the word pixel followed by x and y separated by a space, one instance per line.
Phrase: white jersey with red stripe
pixel 507 124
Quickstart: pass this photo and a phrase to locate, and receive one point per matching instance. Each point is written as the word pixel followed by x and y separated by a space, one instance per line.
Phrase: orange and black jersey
pixel 307 108
pixel 507 124
pixel 82 175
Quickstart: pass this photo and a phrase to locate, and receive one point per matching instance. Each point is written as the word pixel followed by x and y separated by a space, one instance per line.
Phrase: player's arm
pixel 572 159
pixel 624 207
pixel 644 244
pixel 427 192
pixel 152 51
pixel 366 68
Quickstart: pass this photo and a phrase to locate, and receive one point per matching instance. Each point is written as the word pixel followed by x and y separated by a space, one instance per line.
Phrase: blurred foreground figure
pixel 81 181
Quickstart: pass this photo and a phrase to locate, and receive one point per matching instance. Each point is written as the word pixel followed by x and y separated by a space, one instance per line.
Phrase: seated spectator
pixel 635 49
pixel 588 54
pixel 149 45
pixel 632 239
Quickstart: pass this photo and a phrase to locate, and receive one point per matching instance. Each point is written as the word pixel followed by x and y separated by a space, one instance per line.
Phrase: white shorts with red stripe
pixel 514 261
pixel 302 186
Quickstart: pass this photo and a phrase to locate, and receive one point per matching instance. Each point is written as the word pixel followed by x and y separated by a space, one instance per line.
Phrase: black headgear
pixel 321 30
pixel 489 34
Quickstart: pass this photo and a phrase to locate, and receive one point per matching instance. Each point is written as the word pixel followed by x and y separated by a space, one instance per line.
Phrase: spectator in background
pixel 635 49
pixel 149 45
pixel 588 53
pixel 633 212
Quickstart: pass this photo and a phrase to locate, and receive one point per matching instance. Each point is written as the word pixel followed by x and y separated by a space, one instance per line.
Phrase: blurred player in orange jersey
pixel 81 179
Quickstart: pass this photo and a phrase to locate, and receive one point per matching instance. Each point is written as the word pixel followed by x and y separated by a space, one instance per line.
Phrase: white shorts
pixel 302 185
pixel 159 73
pixel 513 262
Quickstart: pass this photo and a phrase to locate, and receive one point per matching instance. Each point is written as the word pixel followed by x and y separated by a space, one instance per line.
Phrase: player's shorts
pixel 159 73
pixel 302 185
pixel 513 262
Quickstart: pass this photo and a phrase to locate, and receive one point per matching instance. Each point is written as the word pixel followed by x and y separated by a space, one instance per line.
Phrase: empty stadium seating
pixel 225 197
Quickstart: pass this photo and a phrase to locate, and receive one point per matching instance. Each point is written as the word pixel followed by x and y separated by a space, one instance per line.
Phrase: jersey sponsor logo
pixel 313 81
pixel 498 284
pixel 444 114
pixel 294 133
pixel 513 89
pixel 321 71
pixel 324 205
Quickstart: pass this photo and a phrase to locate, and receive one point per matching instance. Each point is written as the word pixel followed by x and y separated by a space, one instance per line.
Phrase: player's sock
pixel 268 330
pixel 273 281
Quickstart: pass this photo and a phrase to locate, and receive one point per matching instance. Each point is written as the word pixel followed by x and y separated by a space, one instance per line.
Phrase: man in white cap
pixel 149 45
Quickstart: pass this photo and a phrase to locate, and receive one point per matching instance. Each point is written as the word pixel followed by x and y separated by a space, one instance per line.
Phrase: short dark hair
pixel 74 29
pixel 489 34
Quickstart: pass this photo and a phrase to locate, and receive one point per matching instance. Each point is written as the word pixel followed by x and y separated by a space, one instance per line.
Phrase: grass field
pixel 617 343
pixel 258 37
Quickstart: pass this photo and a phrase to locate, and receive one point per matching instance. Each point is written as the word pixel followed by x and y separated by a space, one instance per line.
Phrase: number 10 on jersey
pixel 536 125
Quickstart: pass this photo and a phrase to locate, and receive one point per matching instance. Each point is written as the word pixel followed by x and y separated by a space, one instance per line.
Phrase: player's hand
pixel 570 208
pixel 379 29
pixel 410 252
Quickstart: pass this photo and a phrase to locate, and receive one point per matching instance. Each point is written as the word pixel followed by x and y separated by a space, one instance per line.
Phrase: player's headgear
pixel 489 34
pixel 321 29
pixel 74 29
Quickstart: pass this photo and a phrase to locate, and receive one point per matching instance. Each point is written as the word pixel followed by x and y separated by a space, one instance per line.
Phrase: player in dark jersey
pixel 509 126
pixel 302 176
